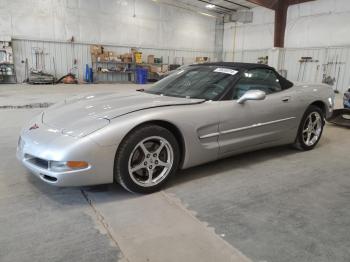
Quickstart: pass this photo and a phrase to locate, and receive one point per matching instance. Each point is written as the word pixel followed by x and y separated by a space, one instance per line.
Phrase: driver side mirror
pixel 252 95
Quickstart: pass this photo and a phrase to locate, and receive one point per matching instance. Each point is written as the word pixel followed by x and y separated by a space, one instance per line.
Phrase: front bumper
pixel 38 147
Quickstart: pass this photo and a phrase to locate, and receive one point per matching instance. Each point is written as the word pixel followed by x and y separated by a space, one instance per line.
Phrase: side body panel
pixel 193 121
pixel 253 123
pixel 270 122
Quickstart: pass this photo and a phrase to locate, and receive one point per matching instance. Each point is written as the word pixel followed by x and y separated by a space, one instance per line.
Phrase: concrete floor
pixel 272 205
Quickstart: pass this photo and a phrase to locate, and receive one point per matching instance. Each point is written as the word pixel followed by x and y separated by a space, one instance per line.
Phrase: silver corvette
pixel 196 115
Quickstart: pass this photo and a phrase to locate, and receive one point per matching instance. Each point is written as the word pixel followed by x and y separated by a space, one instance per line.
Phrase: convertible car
pixel 198 114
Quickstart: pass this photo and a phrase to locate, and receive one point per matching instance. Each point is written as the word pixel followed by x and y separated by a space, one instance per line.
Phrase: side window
pixel 257 79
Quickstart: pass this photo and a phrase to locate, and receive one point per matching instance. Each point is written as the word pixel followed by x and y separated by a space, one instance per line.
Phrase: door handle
pixel 286 99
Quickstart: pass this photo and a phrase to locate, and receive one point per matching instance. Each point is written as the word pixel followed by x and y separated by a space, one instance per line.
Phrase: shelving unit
pixel 117 71
pixel 7 73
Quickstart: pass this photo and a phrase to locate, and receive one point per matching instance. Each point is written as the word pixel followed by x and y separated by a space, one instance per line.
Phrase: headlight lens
pixel 61 166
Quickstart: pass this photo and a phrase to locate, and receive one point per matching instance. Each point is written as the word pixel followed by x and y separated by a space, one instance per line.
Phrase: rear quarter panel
pixel 309 93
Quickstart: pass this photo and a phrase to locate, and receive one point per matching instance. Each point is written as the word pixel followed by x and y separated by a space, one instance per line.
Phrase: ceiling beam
pixel 265 3
pixel 234 3
pixel 273 4
pixel 220 6
pixel 295 2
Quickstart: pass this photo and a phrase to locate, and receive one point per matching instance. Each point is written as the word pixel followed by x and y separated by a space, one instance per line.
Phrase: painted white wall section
pixel 140 23
pixel 318 23
pixel 251 36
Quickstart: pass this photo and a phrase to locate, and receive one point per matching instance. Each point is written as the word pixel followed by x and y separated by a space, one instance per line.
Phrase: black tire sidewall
pixel 300 140
pixel 121 172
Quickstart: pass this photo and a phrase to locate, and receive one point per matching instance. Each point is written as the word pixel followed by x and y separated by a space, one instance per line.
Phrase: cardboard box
pixel 126 58
pixel 102 57
pixel 165 68
pixel 96 49
pixel 202 59
pixel 150 59
pixel 114 59
pixel 155 69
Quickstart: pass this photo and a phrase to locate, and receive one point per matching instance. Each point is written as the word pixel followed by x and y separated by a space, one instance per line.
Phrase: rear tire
pixel 310 129
pixel 146 159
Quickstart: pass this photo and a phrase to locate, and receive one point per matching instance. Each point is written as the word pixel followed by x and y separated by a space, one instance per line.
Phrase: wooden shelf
pixel 112 62
pixel 119 72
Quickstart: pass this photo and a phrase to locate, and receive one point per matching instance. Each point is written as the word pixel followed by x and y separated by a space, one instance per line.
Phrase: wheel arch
pixel 169 126
pixel 320 104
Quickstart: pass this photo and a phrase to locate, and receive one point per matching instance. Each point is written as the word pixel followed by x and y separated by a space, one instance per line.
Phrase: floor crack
pixel 102 221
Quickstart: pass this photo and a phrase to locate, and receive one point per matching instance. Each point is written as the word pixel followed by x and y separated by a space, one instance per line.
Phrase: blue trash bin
pixel 141 75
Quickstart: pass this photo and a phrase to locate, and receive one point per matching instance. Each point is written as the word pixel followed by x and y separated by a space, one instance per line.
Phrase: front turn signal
pixel 77 164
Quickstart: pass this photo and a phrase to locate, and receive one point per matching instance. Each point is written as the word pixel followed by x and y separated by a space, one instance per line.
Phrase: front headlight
pixel 62 166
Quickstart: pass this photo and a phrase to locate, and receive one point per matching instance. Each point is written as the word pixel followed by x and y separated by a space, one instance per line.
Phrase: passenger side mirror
pixel 252 95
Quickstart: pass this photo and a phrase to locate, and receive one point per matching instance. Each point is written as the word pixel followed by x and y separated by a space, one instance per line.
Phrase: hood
pixel 82 115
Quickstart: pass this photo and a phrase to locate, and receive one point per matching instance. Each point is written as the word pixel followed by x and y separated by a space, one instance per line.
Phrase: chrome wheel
pixel 312 128
pixel 151 161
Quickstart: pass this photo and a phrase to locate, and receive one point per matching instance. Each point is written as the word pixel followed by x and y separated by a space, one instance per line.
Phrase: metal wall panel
pixel 337 58
pixel 246 56
pixel 59 57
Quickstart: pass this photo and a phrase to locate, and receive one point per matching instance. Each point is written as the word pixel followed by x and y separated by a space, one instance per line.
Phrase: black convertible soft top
pixel 285 83
pixel 246 66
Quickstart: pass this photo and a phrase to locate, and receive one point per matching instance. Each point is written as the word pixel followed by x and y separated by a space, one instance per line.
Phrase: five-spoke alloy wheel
pixel 146 158
pixel 151 160
pixel 310 129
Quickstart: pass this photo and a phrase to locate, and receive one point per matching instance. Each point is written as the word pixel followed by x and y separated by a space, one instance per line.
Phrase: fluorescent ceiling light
pixel 210 6
pixel 207 14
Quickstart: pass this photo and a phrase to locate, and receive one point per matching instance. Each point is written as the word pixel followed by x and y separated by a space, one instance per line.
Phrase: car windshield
pixel 202 82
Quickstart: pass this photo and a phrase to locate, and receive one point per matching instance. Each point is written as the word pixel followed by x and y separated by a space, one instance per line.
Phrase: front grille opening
pixel 37 161
pixel 49 178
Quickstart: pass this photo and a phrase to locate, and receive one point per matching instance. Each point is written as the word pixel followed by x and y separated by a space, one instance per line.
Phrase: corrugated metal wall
pixel 329 61
pixel 247 56
pixel 333 62
pixel 59 57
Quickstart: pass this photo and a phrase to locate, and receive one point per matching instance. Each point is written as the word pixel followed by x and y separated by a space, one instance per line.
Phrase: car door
pixel 256 122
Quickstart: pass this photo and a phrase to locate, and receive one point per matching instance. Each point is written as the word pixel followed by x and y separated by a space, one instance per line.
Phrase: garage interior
pixel 272 205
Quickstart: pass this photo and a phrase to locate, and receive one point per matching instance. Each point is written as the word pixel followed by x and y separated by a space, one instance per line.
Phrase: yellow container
pixel 138 57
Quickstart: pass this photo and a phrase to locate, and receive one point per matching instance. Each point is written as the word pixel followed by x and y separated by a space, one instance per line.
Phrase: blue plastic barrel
pixel 91 75
pixel 88 74
pixel 141 75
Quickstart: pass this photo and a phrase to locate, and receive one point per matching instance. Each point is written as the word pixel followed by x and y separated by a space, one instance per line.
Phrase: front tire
pixel 146 159
pixel 310 129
